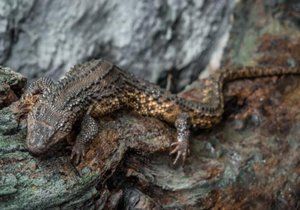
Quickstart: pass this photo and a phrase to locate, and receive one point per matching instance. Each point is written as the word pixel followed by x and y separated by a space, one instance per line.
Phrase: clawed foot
pixel 78 153
pixel 181 149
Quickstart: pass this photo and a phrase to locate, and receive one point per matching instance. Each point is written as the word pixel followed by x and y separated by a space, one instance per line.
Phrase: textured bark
pixel 128 166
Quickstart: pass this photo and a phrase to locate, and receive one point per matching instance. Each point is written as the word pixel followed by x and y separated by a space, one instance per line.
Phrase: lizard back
pixel 83 84
pixel 107 88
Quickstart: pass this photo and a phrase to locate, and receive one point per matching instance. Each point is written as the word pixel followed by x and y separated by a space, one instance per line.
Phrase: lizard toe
pixel 78 153
pixel 181 150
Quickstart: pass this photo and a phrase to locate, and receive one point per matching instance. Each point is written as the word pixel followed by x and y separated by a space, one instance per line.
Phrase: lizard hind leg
pixel 181 146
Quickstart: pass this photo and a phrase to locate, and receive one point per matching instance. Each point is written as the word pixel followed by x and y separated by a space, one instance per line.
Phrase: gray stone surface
pixel 145 37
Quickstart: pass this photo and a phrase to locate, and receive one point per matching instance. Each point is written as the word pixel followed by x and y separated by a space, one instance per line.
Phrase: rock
pixel 11 86
pixel 52 181
pixel 256 167
pixel 128 164
pixel 135 199
pixel 148 38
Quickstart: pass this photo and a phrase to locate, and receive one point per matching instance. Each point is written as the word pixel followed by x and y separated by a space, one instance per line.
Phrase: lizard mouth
pixel 34 144
pixel 35 148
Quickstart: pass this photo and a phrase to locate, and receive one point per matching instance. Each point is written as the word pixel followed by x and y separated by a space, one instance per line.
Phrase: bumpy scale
pixel 101 87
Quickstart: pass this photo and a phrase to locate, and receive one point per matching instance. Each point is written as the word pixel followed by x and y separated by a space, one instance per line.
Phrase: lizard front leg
pixel 89 130
pixel 183 135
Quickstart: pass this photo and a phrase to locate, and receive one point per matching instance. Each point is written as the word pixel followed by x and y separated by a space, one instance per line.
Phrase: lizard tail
pixel 228 75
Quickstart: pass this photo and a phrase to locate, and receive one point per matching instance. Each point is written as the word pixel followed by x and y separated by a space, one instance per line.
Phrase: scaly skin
pixel 98 87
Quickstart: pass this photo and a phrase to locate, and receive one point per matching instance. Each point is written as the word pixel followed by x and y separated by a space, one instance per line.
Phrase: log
pixel 251 160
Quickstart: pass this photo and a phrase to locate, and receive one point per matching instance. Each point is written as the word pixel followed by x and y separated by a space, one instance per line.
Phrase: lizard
pixel 99 86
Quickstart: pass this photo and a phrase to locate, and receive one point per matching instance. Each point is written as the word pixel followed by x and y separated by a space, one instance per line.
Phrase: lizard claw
pixel 78 153
pixel 181 149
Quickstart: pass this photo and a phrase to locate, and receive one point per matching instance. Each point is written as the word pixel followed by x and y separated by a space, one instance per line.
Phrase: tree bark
pixel 128 166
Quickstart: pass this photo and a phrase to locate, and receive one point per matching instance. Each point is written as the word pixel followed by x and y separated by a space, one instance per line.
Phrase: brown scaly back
pixel 81 84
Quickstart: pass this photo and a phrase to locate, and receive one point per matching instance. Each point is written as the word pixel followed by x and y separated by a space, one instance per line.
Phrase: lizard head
pixel 45 127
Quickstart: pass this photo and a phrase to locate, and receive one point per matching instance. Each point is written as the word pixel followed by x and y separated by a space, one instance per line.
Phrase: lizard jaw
pixel 37 137
pixel 35 148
